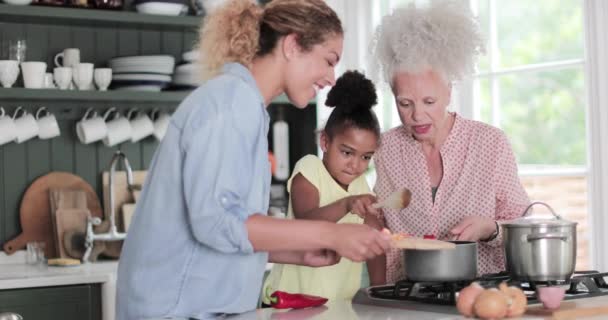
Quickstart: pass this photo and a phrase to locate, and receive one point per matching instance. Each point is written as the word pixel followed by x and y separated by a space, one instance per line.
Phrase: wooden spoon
pixel 399 199
pixel 422 244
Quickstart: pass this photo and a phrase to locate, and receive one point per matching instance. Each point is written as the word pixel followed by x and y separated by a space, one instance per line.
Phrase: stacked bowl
pixel 162 7
pixel 142 73
pixel 187 75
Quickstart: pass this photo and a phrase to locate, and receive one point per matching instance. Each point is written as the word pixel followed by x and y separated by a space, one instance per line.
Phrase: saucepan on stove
pixel 540 249
pixel 442 265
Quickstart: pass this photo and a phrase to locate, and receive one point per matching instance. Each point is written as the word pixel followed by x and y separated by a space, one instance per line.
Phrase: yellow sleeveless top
pixel 340 281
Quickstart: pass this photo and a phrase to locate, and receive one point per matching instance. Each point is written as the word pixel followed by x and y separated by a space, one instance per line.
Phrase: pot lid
pixel 530 221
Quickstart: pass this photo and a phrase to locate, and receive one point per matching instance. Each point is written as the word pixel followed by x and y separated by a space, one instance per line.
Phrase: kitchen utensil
pixel 69 219
pixel 422 244
pixel 73 242
pixel 128 209
pixel 123 193
pixel 9 71
pixel 10 316
pixel 539 249
pixel 442 265
pixel 579 313
pixel 63 262
pixel 280 146
pixel 33 74
pixel 26 126
pixel 35 215
pixel 399 199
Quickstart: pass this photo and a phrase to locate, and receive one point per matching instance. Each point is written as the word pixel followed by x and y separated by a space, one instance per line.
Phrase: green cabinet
pixel 79 302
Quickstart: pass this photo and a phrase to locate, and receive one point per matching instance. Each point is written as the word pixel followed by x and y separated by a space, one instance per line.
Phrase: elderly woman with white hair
pixel 462 173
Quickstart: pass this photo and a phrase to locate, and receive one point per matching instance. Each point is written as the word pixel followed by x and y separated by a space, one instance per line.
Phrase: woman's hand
pixel 359 242
pixel 474 228
pixel 374 222
pixel 320 258
pixel 361 205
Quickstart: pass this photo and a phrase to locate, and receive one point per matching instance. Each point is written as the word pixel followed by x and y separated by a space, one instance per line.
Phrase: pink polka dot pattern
pixel 479 179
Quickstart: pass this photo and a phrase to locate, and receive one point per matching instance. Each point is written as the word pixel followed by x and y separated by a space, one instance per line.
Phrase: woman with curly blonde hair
pixel 462 173
pixel 200 239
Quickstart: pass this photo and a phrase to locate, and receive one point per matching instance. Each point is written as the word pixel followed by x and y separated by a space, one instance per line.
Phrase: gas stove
pixel 441 296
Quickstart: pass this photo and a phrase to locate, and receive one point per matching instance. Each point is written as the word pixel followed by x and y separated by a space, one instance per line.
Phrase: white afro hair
pixel 444 36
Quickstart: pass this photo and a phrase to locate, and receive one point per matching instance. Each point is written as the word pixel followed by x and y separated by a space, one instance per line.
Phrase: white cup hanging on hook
pixel 161 123
pixel 119 128
pixel 8 131
pixel 47 125
pixel 25 125
pixel 141 125
pixel 91 128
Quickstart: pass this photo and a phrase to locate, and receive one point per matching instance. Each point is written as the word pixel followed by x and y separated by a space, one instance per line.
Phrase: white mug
pixel 48 81
pixel 33 74
pixel 83 76
pixel 63 77
pixel 25 125
pixel 119 128
pixel 47 125
pixel 9 71
pixel 141 125
pixel 103 78
pixel 70 57
pixel 91 127
pixel 161 123
pixel 8 131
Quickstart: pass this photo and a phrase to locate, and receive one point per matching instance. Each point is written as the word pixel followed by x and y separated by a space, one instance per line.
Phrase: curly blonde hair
pixel 241 30
pixel 443 36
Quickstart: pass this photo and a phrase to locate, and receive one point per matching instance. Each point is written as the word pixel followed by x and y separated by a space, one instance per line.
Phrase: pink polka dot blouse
pixel 479 179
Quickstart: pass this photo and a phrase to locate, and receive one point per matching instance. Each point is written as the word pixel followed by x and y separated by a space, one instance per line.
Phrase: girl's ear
pixel 324 141
pixel 290 46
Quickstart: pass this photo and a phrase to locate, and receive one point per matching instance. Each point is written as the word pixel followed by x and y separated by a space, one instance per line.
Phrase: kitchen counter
pixel 15 274
pixel 349 311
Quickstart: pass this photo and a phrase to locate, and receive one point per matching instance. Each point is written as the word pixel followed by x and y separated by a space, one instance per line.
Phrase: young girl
pixel 334 189
pixel 200 240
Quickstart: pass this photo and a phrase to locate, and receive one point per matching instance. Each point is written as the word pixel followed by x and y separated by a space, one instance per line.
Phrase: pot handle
pixel 558 217
pixel 540 236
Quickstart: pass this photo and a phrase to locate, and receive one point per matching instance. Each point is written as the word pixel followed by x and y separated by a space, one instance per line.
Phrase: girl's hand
pixel 320 258
pixel 359 242
pixel 361 205
pixel 474 228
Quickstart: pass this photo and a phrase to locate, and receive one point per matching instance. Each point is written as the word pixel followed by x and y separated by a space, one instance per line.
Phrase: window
pixel 531 85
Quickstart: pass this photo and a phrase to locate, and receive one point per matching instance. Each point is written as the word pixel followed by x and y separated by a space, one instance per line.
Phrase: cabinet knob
pixel 10 316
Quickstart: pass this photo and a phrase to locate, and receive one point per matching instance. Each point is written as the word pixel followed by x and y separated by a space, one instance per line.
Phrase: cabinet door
pixel 81 302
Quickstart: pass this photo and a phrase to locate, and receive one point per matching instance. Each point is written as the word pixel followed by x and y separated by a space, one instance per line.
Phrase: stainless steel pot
pixel 540 249
pixel 442 265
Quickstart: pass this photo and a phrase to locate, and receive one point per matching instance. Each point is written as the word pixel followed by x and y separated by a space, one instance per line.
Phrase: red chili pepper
pixel 285 300
pixel 429 236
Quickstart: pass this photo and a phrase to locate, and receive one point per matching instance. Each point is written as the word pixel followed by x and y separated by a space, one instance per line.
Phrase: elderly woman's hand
pixel 474 228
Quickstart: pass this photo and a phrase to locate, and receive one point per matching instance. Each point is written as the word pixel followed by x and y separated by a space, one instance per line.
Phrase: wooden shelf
pixel 175 97
pixel 91 96
pixel 94 17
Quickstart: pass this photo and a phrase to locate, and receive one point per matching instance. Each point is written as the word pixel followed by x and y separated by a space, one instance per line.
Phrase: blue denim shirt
pixel 187 252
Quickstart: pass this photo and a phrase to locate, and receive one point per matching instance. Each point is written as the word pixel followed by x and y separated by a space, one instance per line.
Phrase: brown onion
pixel 516 300
pixel 466 299
pixel 491 304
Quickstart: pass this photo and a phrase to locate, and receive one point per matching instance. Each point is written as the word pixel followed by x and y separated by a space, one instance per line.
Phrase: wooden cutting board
pixel 35 211
pixel 122 195
pixel 69 219
pixel 422 244
pixel 588 308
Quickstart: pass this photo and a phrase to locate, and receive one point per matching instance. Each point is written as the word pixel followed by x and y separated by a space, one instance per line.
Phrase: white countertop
pixel 347 310
pixel 14 273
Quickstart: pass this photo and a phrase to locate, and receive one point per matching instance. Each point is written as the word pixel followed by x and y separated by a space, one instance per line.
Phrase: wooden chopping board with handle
pixel 35 211
pixel 122 195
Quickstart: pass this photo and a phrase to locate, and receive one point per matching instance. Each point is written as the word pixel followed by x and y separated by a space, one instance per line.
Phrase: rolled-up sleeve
pixel 511 197
pixel 217 179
